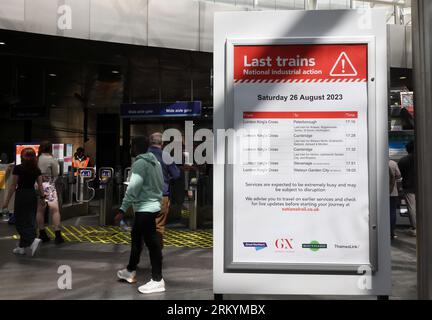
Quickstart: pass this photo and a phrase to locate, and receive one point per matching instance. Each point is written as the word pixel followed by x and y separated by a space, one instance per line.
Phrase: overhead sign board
pixel 168 109
pixel 28 112
pixel 306 190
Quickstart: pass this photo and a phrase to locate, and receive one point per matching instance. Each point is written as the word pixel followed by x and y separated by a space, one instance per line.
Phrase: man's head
pixel 139 146
pixel 410 147
pixel 156 140
pixel 80 151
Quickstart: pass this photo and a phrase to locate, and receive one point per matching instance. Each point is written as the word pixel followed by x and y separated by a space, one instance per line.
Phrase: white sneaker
pixel 124 274
pixel 153 286
pixel 35 246
pixel 19 250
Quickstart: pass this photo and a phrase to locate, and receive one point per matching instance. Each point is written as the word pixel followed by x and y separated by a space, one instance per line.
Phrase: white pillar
pixel 311 4
pixel 422 58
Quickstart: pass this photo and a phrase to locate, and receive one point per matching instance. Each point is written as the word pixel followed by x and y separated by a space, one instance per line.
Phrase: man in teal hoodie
pixel 144 194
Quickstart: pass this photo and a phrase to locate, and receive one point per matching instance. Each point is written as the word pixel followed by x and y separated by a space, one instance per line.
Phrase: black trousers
pixel 393 208
pixel 25 215
pixel 144 228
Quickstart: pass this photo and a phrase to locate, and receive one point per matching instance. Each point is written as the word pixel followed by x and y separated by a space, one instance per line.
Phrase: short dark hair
pixel 410 147
pixel 80 149
pixel 45 147
pixel 140 145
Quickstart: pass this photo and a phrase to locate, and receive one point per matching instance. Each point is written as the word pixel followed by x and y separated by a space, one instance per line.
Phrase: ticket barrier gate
pixel 122 181
pixel 118 183
pixel 84 193
pixel 5 181
pixel 127 175
pixel 106 182
pixel 70 187
pixel 198 202
pixel 193 203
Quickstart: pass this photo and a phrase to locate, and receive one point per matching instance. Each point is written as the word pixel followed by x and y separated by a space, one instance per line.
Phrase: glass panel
pixel 265 4
pixel 323 4
pixel 339 4
pixel 286 4
pixel 245 3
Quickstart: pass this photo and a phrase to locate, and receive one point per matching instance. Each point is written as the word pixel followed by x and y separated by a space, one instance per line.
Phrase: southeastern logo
pixel 314 246
pixel 257 245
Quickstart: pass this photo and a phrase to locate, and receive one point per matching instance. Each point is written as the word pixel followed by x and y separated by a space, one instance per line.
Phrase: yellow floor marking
pixel 116 235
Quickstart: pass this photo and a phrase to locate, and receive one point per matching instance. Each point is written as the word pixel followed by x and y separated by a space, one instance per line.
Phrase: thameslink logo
pixel 257 245
pixel 314 246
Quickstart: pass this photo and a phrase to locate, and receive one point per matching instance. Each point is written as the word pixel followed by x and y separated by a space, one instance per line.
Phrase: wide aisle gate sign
pixel 305 177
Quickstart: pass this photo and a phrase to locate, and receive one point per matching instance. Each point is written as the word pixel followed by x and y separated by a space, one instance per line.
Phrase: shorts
pixel 50 191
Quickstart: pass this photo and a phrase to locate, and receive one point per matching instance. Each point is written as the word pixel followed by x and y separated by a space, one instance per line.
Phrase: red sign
pixel 20 147
pixel 301 63
pixel 300 115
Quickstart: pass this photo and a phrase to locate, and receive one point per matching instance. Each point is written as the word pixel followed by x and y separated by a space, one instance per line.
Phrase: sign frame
pixel 231 266
pixel 351 25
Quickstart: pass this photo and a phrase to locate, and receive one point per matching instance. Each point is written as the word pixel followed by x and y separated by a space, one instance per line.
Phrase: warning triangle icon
pixel 343 67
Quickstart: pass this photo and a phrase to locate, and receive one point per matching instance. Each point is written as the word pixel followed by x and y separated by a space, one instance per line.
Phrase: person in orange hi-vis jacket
pixel 80 160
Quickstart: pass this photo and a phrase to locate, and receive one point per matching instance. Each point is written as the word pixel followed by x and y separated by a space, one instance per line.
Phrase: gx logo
pixel 284 243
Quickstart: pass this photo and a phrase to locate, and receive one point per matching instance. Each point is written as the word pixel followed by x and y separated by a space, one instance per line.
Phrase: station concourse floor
pixel 187 271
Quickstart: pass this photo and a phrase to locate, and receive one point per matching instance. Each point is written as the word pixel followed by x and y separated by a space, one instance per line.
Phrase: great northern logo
pixel 257 245
pixel 314 245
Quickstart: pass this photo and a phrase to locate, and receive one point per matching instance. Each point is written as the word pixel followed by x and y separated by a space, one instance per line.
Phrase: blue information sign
pixel 106 174
pixel 166 109
pixel 85 173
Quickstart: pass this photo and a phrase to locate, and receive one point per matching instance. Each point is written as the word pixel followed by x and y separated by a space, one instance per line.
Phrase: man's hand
pixel 118 217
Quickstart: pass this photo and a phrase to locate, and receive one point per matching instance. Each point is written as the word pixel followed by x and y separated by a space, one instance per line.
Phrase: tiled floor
pixel 188 272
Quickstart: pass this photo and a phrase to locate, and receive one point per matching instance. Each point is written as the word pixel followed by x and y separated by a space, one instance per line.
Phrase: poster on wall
pixel 67 160
pixel 407 101
pixel 58 151
pixel 302 195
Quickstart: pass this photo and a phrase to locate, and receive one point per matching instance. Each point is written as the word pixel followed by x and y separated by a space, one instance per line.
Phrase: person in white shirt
pixel 50 171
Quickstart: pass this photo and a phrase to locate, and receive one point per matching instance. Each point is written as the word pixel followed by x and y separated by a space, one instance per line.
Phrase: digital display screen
pixel 85 173
pixel 106 174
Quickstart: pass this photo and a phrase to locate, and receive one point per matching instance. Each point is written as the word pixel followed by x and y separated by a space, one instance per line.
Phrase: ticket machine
pixel 106 179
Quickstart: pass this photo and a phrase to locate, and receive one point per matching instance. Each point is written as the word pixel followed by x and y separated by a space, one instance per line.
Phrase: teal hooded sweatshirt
pixel 144 192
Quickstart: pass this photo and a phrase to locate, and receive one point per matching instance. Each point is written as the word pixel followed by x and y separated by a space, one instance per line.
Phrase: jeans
pixel 144 228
